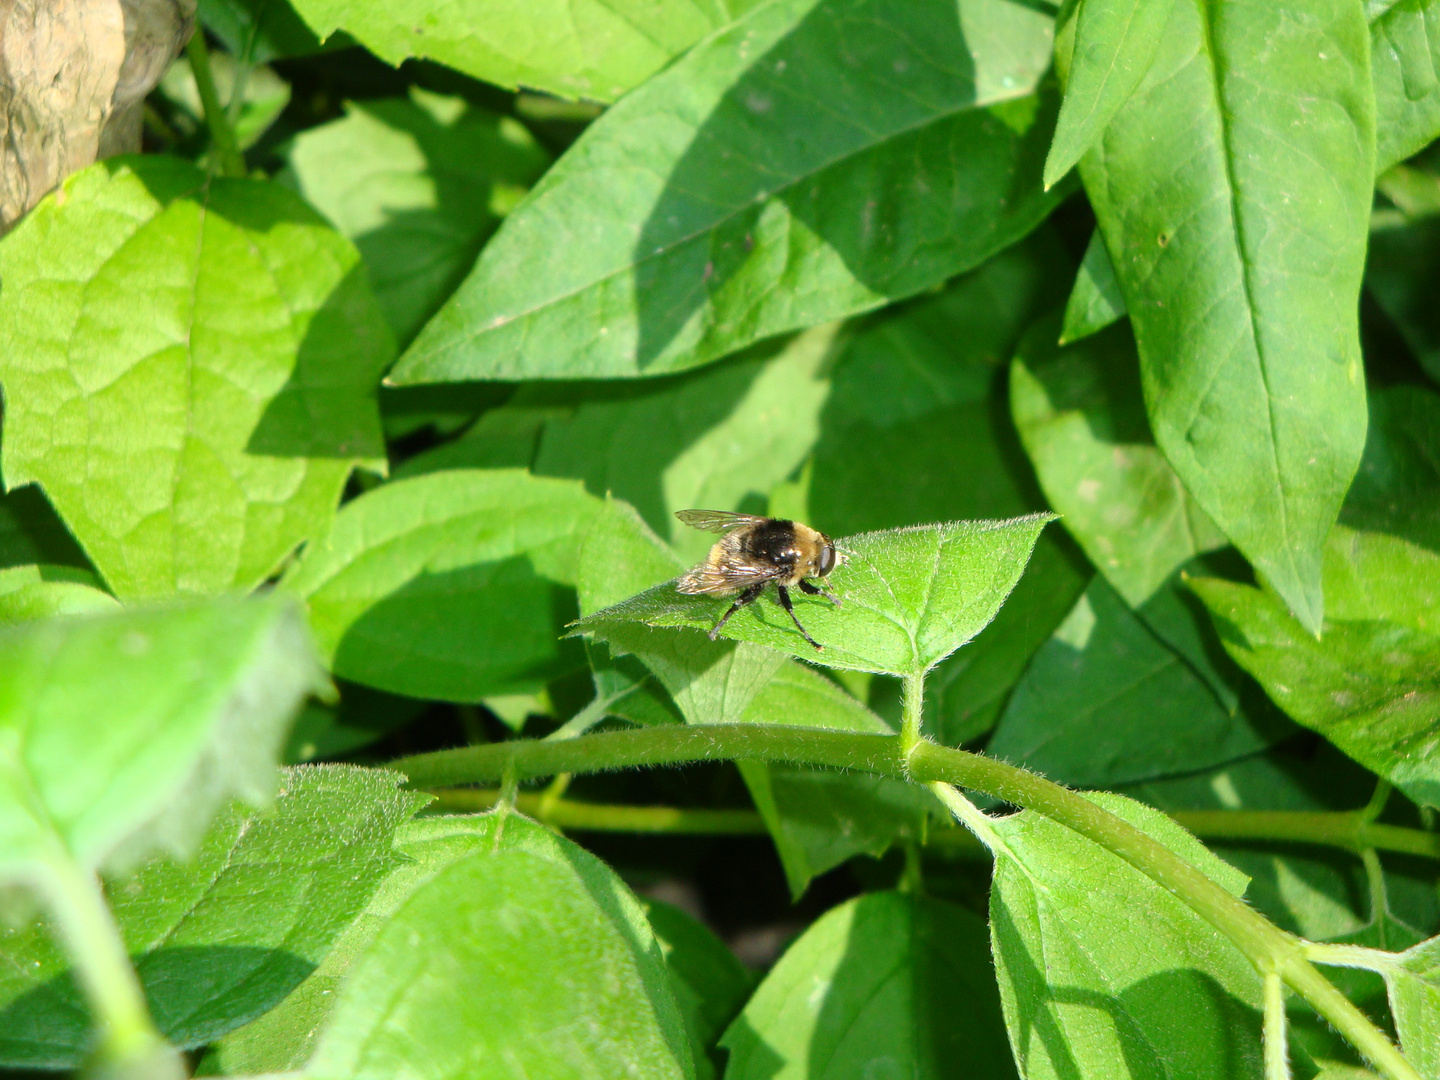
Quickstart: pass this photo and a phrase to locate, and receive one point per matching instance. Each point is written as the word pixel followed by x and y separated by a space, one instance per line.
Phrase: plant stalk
pixel 1268 948
pixel 222 134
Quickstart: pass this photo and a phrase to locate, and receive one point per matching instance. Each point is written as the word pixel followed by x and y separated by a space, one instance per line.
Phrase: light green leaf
pixel 189 368
pixel 672 232
pixel 1370 683
pixel 1403 46
pixel 1103 972
pixel 562 975
pixel 595 49
pixel 43 591
pixel 911 597
pixel 883 985
pixel 1237 181
pixel 1081 416
pixel 1414 990
pixel 1104 702
pixel 454 585
pixel 1115 41
pixel 128 730
pixel 1095 301
pixel 710 984
pixel 419 185
pixel 819 818
pixel 221 938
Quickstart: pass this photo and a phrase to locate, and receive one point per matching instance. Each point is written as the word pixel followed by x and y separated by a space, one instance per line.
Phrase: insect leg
pixel 746 597
pixel 820 590
pixel 786 604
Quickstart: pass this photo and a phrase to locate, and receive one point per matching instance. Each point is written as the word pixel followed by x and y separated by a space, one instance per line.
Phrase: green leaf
pixel 710 984
pixel 1103 972
pixel 419 185
pixel 1237 181
pixel 595 49
pixel 1370 683
pixel 911 597
pixel 454 585
pixel 1081 416
pixel 264 30
pixel 1414 990
pixel 40 592
pixel 706 439
pixel 966 691
pixel 1115 42
pixel 819 818
pixel 883 985
pixel 1397 490
pixel 189 368
pixel 221 938
pixel 1403 50
pixel 129 730
pixel 562 975
pixel 1403 257
pixel 1095 301
pixel 1104 702
pixel 32 533
pixel 361 717
pixel 670 234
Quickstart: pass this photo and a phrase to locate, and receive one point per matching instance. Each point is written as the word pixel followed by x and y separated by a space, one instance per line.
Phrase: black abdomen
pixel 773 543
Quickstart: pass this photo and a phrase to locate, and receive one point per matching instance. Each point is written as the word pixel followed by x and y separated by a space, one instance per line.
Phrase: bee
pixel 753 552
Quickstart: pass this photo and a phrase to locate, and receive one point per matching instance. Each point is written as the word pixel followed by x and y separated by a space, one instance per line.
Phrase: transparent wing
pixel 716 521
pixel 725 577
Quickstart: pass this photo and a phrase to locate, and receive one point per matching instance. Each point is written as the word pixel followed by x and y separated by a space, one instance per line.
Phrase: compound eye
pixel 827 560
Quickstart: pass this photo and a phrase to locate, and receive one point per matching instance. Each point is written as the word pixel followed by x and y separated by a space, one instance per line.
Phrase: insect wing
pixel 717 521
pixel 726 577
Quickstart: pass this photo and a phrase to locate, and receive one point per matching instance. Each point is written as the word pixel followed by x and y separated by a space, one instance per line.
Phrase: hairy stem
pixel 1277 1056
pixel 1268 948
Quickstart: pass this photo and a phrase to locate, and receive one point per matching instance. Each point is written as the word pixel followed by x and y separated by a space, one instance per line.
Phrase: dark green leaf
pixel 221 938
pixel 362 716
pixel 1105 973
pixel 911 597
pixel 882 146
pixel 1403 48
pixel 1115 41
pixel 1404 258
pixel 1095 301
pixel 419 185
pixel 1370 684
pixel 819 818
pixel 189 368
pixel 1237 181
pixel 1081 416
pixel 710 984
pixel 562 976
pixel 1104 702
pixel 130 730
pixel 595 49
pixel 453 585
pixel 1397 490
pixel 885 985
pixel 262 30
pixel 31 533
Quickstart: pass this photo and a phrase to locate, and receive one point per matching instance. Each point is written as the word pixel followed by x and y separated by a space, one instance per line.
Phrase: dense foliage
pixel 344 428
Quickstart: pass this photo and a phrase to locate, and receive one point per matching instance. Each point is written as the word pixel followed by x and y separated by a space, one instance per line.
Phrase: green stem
pixel 222 134
pixel 1277 1056
pixel 1348 829
pixel 1268 948
pixel 599 817
pixel 913 704
pixel 127 1044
